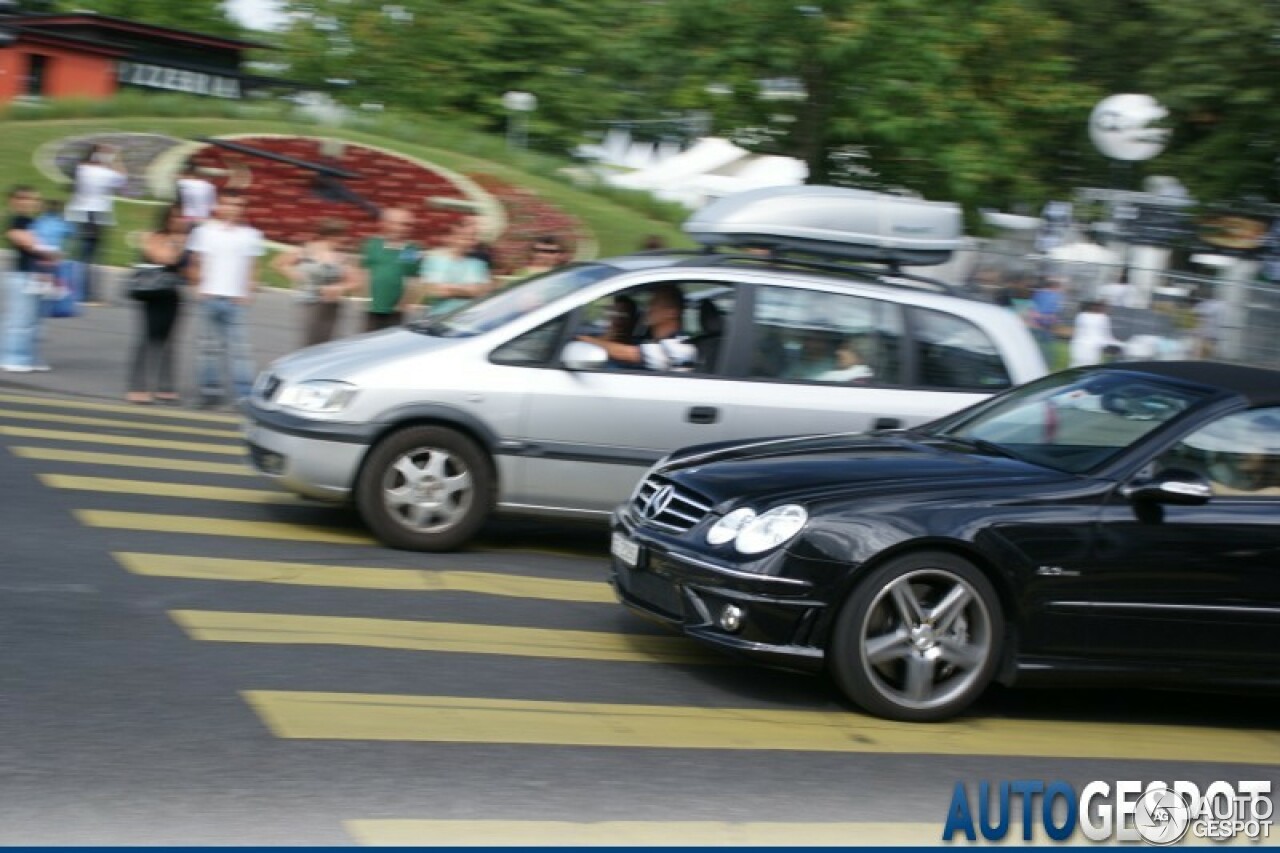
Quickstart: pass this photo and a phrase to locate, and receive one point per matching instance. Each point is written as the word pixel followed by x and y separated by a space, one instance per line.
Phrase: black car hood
pixel 831 466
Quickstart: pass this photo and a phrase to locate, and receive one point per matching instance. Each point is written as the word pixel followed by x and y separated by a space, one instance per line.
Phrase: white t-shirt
pixel 198 197
pixel 95 188
pixel 226 257
pixel 669 354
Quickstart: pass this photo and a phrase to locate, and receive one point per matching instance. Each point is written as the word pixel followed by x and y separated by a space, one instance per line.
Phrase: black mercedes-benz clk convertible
pixel 1118 523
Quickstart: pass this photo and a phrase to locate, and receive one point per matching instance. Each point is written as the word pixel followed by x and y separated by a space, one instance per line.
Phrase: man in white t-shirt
pixel 225 257
pixel 197 196
pixel 97 180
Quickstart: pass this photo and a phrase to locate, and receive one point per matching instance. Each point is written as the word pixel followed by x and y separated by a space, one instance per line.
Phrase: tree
pixel 203 16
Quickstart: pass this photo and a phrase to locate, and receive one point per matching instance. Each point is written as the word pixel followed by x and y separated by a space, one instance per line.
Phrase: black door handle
pixel 704 415
pixel 887 423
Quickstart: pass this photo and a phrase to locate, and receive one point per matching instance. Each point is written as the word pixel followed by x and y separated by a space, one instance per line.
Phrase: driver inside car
pixel 666 347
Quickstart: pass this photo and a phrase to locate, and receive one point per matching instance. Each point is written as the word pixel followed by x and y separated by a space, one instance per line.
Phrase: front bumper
pixel 321 466
pixel 780 615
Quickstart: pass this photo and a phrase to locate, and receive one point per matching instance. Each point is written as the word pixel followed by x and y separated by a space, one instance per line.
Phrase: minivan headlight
pixel 321 396
pixel 770 529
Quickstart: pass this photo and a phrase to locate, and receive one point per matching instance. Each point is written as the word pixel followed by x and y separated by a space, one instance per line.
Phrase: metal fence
pixel 1162 312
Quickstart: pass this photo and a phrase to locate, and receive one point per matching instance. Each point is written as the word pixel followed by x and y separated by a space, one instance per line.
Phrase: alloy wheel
pixel 428 489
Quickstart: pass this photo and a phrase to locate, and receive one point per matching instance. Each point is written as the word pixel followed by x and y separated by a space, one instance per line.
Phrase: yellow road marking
pixel 417 580
pixel 448 719
pixel 50 454
pixel 79 420
pixel 151 412
pixel 202 526
pixel 690 833
pixel 124 441
pixel 466 638
pixel 167 490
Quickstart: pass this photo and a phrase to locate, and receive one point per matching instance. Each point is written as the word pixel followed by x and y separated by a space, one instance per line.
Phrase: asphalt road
pixel 193 657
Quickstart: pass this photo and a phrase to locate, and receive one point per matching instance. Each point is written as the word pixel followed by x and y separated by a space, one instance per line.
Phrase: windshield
pixel 1072 421
pixel 485 315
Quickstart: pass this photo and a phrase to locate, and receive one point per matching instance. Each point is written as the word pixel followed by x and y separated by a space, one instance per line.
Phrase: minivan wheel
pixel 918 639
pixel 425 489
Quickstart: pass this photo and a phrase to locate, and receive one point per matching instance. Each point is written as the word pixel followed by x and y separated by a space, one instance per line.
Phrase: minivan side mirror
pixel 1172 486
pixel 580 355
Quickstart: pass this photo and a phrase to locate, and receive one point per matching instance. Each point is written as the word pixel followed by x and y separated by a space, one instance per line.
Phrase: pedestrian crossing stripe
pixel 456 719
pixel 124 441
pixel 410 580
pixel 143 426
pixel 454 637
pixel 136 411
pixel 152 488
pixel 80 457
pixel 198 525
pixel 634 833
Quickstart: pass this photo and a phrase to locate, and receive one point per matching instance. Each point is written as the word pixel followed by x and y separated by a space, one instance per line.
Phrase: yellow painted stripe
pixel 82 457
pixel 202 526
pixel 167 490
pixel 144 426
pixel 448 719
pixel 149 411
pixel 415 580
pixel 614 833
pixel 465 638
pixel 124 441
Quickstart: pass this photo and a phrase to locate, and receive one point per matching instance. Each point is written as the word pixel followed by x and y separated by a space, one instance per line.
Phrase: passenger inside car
pixel 848 366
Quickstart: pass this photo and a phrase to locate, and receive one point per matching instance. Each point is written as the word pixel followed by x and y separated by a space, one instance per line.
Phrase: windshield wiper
pixel 980 444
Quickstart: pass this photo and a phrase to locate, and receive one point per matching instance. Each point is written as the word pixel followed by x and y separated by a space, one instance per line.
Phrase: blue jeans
pixel 21 321
pixel 224 339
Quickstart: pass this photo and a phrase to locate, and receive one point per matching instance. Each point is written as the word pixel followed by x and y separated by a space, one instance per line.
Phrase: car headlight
pixel 770 529
pixel 728 528
pixel 321 396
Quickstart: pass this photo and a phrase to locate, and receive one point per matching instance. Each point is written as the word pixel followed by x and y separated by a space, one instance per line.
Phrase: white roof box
pixel 847 223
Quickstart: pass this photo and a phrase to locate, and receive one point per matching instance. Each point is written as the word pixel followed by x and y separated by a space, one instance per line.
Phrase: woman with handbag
pixel 157 286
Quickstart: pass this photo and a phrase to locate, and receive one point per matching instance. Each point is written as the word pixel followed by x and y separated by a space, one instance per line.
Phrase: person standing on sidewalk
pixel 23 289
pixel 323 272
pixel 225 258
pixel 390 262
pixel 97 180
pixel 158 314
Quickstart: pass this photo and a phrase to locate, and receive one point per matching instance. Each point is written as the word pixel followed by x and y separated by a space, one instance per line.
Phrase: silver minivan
pixel 433 426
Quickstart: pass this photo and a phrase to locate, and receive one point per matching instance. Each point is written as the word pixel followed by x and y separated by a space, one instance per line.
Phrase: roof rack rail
pixel 876 275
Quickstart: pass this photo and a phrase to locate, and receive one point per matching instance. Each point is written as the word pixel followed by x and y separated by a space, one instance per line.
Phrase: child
pixel 51 231
pixel 849 366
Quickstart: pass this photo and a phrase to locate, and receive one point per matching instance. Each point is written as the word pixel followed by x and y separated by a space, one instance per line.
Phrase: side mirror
pixel 580 355
pixel 1173 486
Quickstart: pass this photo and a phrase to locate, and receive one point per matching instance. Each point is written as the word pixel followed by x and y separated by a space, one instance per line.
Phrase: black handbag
pixel 151 281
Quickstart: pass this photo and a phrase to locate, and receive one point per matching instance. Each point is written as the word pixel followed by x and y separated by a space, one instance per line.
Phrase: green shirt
pixel 388 268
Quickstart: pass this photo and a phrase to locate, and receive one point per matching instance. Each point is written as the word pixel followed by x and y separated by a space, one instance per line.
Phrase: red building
pixel 87 55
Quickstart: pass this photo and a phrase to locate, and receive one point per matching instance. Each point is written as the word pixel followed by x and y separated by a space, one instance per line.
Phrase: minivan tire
pixel 425 488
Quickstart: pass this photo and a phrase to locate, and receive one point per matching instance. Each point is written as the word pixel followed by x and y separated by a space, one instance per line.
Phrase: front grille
pixel 666 506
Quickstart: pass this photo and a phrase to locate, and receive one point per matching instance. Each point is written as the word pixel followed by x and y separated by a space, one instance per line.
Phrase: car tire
pixel 425 488
pixel 919 638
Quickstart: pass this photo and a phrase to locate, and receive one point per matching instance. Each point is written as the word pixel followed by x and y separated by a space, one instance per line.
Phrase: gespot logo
pixel 1158 813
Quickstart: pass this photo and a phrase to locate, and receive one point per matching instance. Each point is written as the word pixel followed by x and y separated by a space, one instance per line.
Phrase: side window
pixel 1239 454
pixel 534 348
pixel 656 334
pixel 953 353
pixel 814 336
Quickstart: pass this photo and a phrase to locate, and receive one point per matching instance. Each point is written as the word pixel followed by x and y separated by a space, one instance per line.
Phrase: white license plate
pixel 625 550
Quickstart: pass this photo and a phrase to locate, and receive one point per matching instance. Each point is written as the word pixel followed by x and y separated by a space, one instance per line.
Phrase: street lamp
pixel 518 105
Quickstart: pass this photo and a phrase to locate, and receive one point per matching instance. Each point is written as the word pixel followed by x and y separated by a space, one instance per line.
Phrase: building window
pixel 37 71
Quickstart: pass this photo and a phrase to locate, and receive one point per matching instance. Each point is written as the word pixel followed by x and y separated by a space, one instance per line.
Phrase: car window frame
pixel 1202 423
pixel 917 379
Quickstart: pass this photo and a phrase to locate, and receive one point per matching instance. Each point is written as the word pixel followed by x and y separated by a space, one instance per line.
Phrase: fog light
pixel 731 617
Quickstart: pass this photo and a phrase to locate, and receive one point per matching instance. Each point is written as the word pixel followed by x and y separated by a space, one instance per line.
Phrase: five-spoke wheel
pixel 919 638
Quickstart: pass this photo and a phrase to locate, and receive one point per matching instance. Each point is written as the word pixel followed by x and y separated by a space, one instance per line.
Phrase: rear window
pixel 953 353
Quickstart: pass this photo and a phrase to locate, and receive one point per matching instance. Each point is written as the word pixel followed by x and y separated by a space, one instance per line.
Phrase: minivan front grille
pixel 666 506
